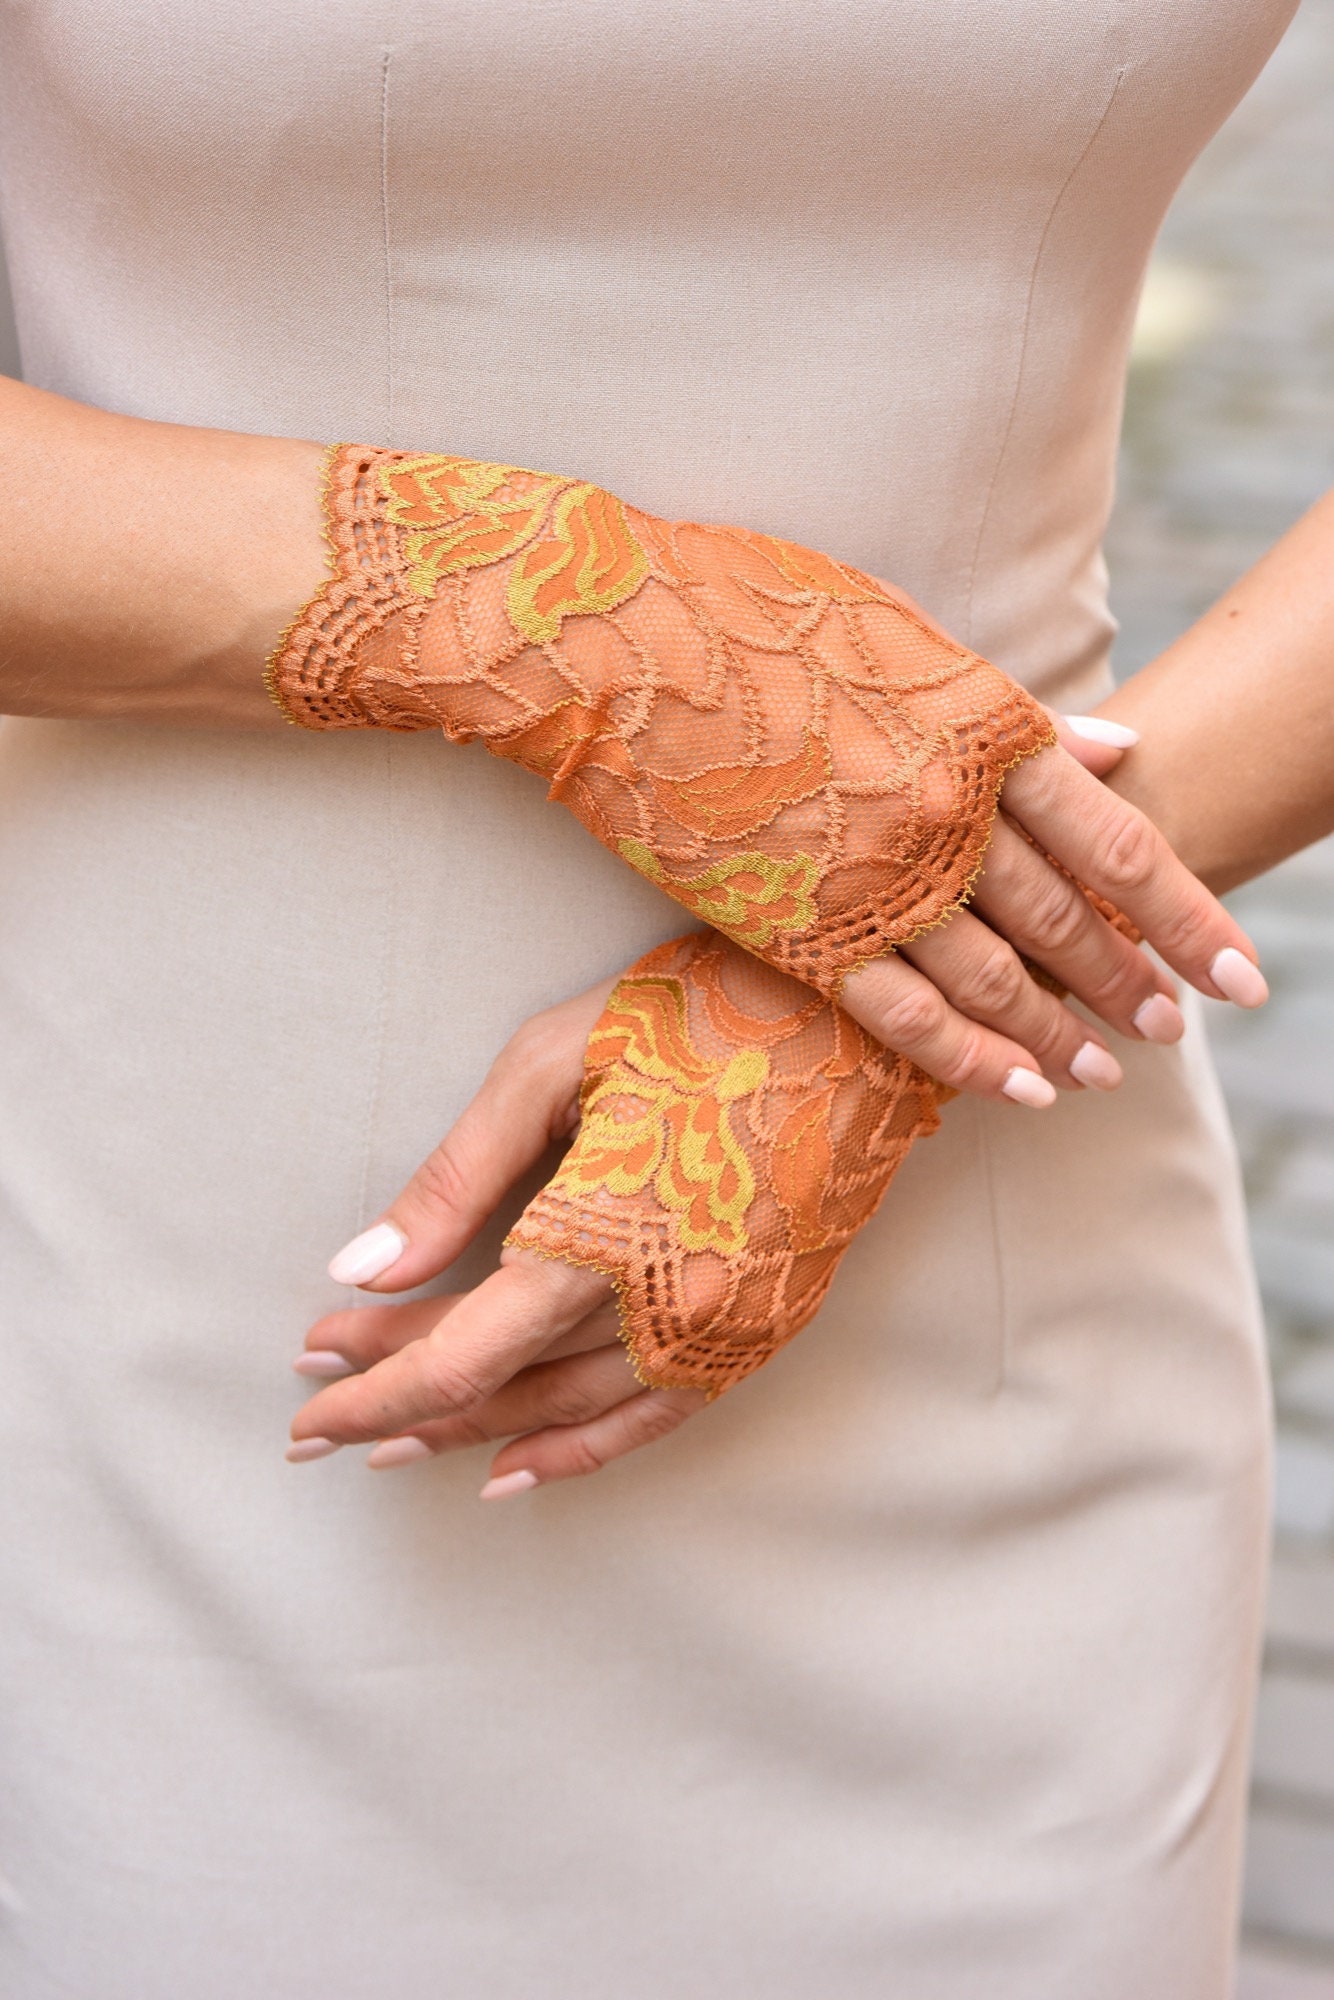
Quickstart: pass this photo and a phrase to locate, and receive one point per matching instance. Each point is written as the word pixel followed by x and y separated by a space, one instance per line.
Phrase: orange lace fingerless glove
pixel 785 745
pixel 736 1133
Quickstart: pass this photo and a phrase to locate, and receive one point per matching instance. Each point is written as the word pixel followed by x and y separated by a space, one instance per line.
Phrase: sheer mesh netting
pixel 736 1133
pixel 788 747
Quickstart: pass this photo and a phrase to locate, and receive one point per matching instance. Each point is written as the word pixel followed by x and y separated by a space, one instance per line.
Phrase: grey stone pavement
pixel 1229 435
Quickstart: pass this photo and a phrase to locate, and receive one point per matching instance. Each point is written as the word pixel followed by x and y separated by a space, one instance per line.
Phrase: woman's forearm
pixel 146 569
pixel 1236 761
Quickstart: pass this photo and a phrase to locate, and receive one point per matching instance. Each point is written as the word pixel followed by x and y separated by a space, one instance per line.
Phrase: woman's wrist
pixel 151 567
pixel 1236 718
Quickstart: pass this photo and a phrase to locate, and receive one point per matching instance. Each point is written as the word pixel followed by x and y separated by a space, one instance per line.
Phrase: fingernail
pixel 1025 1086
pixel 508 1482
pixel 308 1448
pixel 1097 1066
pixel 1097 730
pixel 1160 1019
pixel 397 1451
pixel 368 1255
pixel 322 1361
pixel 1239 978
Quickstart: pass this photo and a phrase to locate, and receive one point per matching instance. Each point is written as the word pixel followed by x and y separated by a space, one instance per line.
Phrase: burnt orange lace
pixel 788 747
pixel 736 1133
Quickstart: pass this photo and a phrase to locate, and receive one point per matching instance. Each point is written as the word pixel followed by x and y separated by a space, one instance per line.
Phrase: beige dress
pixel 920 1667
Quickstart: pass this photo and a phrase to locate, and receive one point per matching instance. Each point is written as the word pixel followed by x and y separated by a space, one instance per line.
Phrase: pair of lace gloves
pixel 780 742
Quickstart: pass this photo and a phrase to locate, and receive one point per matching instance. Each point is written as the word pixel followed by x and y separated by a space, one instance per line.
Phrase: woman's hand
pixel 957 999
pixel 791 748
pixel 532 1354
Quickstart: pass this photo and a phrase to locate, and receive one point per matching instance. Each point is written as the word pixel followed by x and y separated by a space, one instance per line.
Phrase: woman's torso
pixel 862 275
pixel 814 1699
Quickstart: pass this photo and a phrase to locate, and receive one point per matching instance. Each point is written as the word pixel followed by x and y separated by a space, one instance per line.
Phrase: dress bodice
pixel 862 275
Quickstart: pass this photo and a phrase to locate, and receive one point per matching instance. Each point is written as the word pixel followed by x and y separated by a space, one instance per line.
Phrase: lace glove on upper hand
pixel 788 747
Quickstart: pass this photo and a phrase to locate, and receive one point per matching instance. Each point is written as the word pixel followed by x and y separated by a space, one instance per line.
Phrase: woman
pixel 922 1663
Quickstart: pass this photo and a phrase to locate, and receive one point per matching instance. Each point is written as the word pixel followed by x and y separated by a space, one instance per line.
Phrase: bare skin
pixel 128 596
pixel 1237 716
pixel 531 1355
pixel 148 573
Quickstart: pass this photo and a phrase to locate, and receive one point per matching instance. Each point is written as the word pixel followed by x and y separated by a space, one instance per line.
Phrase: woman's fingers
pixel 985 978
pixel 562 1393
pixel 908 1013
pixel 1115 849
pixel 469 1353
pixel 1048 919
pixel 348 1342
pixel 573 1451
pixel 973 1018
pixel 356 1338
pixel 530 1097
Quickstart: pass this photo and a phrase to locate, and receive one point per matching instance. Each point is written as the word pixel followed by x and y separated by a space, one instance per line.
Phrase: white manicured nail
pixel 397 1451
pixel 1096 729
pixel 1097 1066
pixel 1160 1019
pixel 1239 979
pixel 508 1482
pixel 368 1256
pixel 324 1362
pixel 308 1448
pixel 1025 1086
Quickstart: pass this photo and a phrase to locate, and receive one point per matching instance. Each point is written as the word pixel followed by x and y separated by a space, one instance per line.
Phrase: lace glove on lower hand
pixel 736 1132
pixel 788 747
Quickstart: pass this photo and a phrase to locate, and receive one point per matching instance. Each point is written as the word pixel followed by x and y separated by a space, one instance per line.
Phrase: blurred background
pixel 1229 435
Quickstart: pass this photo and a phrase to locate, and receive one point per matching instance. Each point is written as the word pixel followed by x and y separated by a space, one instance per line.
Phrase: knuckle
pixel 656 1418
pixel 450 1384
pixel 996 984
pixel 440 1183
pixel 1130 856
pixel 1119 988
pixel 465 1431
pixel 1054 1029
pixel 1057 916
pixel 968 1068
pixel 1179 932
pixel 583 1457
pixel 913 1014
pixel 566 1403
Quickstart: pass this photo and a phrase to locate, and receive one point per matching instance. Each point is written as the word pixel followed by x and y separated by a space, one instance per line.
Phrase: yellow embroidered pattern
pixel 736 1132
pixel 787 746
pixel 461 513
pixel 653 1109
pixel 748 896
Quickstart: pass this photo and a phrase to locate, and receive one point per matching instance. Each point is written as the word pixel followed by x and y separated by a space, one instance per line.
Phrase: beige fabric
pixel 920 1667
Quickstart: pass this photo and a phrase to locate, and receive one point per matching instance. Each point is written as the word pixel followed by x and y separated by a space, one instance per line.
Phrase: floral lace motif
pixel 737 1132
pixel 788 747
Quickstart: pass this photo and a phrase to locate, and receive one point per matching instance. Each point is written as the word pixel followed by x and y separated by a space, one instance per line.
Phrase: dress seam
pixel 1022 361
pixel 387 259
